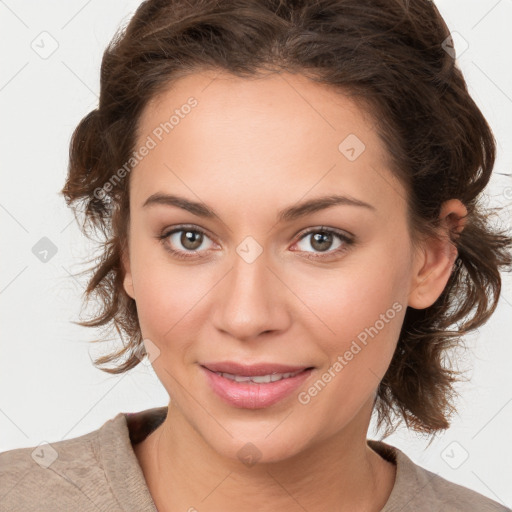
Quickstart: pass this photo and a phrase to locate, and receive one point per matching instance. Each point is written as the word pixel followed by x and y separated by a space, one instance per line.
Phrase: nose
pixel 251 300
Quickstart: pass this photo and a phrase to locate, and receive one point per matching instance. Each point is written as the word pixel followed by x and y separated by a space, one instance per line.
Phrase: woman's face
pixel 316 287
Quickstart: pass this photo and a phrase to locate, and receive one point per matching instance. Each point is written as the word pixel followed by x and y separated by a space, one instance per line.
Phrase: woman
pixel 289 194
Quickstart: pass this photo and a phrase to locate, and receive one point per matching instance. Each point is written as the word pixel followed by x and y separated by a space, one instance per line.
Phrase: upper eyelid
pixel 190 227
pixel 340 232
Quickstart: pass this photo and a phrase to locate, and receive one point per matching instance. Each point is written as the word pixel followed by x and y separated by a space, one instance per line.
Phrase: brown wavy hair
pixel 392 57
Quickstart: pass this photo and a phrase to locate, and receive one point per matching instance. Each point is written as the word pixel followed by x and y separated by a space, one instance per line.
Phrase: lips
pixel 254 386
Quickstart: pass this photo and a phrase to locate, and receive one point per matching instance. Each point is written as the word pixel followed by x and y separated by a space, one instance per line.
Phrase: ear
pixel 127 280
pixel 434 262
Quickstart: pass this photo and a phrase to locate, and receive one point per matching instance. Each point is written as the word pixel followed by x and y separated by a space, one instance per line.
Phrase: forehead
pixel 277 135
pixel 279 102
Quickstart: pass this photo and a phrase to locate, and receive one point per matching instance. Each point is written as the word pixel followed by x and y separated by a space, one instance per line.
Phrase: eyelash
pixel 185 255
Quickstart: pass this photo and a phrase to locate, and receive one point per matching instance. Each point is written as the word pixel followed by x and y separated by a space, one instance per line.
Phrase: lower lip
pixel 252 395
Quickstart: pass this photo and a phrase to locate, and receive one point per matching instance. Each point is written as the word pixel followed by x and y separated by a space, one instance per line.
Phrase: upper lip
pixel 249 370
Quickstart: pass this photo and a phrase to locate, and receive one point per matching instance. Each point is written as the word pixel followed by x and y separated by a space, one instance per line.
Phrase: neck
pixel 339 473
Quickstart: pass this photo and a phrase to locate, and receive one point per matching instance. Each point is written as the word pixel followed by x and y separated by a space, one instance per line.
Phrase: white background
pixel 49 389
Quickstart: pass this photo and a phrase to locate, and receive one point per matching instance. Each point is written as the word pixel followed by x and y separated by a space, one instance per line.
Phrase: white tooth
pixel 227 376
pixel 240 378
pixel 261 379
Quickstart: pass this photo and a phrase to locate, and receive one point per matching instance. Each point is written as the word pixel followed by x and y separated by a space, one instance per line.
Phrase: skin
pixel 250 148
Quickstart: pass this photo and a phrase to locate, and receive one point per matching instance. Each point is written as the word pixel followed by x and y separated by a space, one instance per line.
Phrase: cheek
pixel 359 313
pixel 356 297
pixel 356 356
pixel 170 297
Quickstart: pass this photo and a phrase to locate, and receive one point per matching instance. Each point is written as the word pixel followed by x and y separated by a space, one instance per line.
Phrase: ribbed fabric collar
pixel 120 463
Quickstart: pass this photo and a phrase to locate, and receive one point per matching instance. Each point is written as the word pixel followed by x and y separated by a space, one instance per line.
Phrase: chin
pixel 258 451
pixel 258 443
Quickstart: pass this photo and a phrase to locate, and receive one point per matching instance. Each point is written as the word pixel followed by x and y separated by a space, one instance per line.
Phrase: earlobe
pixel 127 280
pixel 434 262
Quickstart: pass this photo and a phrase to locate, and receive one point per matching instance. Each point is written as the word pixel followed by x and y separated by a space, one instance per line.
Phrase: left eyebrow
pixel 319 203
pixel 286 215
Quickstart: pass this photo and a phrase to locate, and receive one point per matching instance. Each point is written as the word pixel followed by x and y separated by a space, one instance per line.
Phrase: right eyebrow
pixel 199 209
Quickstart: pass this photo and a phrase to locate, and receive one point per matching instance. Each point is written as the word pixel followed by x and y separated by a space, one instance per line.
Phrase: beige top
pixel 99 471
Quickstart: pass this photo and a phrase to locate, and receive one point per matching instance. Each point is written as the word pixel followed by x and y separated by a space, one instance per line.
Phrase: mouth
pixel 254 386
pixel 259 379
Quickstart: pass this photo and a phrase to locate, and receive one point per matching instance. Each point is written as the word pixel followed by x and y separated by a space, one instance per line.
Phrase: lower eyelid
pixel 346 245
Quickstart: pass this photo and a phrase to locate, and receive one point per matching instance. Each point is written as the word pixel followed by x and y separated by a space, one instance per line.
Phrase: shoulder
pixel 61 474
pixel 420 490
pixel 450 496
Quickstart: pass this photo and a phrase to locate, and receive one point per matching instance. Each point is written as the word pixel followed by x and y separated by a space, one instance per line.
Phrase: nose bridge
pixel 250 300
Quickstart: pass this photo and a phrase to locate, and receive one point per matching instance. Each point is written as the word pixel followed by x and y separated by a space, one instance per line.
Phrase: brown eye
pixel 321 241
pixel 191 240
pixel 186 242
pixel 325 242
